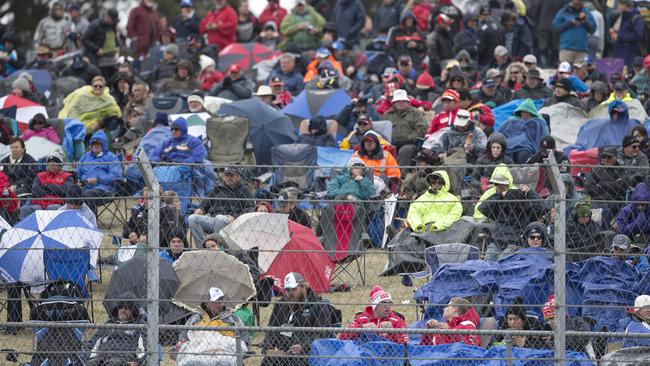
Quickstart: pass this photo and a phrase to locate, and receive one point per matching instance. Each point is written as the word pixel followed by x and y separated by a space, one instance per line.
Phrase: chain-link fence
pixel 297 265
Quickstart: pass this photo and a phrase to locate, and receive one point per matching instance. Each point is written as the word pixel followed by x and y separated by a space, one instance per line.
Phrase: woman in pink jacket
pixel 38 127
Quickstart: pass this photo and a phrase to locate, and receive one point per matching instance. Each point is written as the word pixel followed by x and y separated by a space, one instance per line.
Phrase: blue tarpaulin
pixel 505 111
pixel 366 350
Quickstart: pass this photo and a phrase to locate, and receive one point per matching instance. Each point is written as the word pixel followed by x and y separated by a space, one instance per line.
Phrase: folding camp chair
pixel 289 162
pixel 117 209
pixel 227 136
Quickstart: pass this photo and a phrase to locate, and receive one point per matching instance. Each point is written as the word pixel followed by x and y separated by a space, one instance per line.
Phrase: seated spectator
pixel 120 346
pixel 181 147
pixel 449 100
pixel 265 95
pixel 97 170
pixel 264 207
pixel 167 67
pixel 524 131
pixel 8 204
pixel 348 117
pixel 121 85
pixel 91 104
pixel 409 126
pixel 328 77
pixel 500 180
pixel 133 114
pixel 322 55
pixel 269 36
pixel 378 315
pixel 597 95
pixel 208 74
pixel 353 184
pixel 299 308
pixel 234 86
pixel 534 87
pixel 136 226
pixel 463 135
pixel 195 102
pixel 74 200
pixel 21 88
pixel 175 246
pixel 574 324
pixel 353 140
pixel 605 132
pixel 20 168
pixel 640 134
pixel 607 183
pixel 183 80
pixel 282 96
pixel 38 127
pixel 479 111
pixel 516 319
pixel 634 219
pixel 535 236
pixel 49 188
pixel 318 135
pixel 416 185
pixel 620 247
pixel 381 161
pixel 436 209
pixel 580 231
pixel 289 74
pixel 459 314
pixel 630 155
pixel 490 95
pixel 217 242
pixel 288 204
pixel 81 68
pixel 10 61
pixel 495 154
pixel 230 198
pixel 563 94
pixel 640 322
pixel 6 132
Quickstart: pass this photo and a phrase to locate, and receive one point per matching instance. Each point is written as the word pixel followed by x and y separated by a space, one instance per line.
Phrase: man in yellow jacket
pixel 436 209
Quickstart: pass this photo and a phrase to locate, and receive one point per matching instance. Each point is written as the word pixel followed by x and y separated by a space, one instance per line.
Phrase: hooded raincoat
pixel 105 166
pixel 439 209
pixel 630 220
pixel 185 149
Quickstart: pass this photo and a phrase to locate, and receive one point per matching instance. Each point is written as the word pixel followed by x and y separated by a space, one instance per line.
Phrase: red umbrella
pixel 284 246
pixel 20 109
pixel 245 55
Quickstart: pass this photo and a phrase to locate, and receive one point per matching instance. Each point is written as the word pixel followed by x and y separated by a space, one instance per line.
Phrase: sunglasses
pixel 535 237
pixel 98 86
pixel 455 80
pixel 363 123
pixel 528 63
pixel 635 147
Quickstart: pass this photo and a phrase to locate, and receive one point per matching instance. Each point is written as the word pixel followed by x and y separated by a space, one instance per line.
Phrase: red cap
pixel 646 61
pixel 548 310
pixel 444 19
pixel 234 69
pixel 451 94
pixel 425 81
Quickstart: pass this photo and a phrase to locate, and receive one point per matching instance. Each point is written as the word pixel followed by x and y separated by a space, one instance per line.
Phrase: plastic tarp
pixel 169 105
pixel 566 120
pixel 331 157
pixel 366 350
pixel 40 148
pixel 74 134
pixel 505 111
pixel 601 132
pixel 523 135
pixel 290 161
pixel 634 108
pixel 90 109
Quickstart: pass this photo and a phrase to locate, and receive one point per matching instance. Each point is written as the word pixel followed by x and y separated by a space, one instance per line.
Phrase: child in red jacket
pixel 459 314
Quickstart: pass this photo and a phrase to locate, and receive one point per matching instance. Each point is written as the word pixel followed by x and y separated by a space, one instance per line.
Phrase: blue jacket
pixel 107 169
pixel 343 185
pixel 573 37
pixel 635 326
pixel 185 149
pixel 349 16
pixel 293 82
pixel 629 36
pixel 630 221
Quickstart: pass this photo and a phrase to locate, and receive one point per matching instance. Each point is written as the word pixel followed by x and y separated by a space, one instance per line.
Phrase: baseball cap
pixel 54 158
pixel 621 241
pixel 322 52
pixel 531 59
pixel 450 94
pixel 619 85
pixel 234 69
pixel 489 82
pixel 276 81
pixel 534 73
pixel 564 67
pixel 364 117
pixel 230 170
pixel 215 294
pixel 499 178
pixel 501 51
pixel 292 280
pixel 642 301
pixel 462 118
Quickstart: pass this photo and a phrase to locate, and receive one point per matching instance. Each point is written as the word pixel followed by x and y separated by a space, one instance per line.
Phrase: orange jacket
pixel 312 68
pixel 386 166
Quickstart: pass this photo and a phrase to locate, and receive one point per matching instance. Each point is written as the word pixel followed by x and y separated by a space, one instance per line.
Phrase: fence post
pixel 238 350
pixel 508 349
pixel 559 259
pixel 153 258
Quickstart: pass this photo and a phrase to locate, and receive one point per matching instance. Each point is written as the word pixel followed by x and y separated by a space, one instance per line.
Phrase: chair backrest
pixel 68 265
pixel 227 136
pixel 441 254
pixel 385 128
pixel 332 127
pixel 288 156
pixel 528 175
pixel 169 105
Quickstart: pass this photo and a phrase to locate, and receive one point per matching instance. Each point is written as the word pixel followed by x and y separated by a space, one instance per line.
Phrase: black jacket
pixel 233 201
pixel 605 183
pixel 22 176
pixel 541 92
pixel 185 27
pixel 511 218
pixel 440 46
pixel 86 73
pixel 349 17
pixel 490 35
pixel 300 216
pixel 95 36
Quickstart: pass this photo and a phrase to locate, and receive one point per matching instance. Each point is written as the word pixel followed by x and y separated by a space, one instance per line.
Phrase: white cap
pixel 205 62
pixel 195 98
pixel 400 95
pixel 462 118
pixel 501 51
pixel 263 90
pixel 215 294
pixel 641 301
pixel 530 59
pixel 564 67
pixel 292 280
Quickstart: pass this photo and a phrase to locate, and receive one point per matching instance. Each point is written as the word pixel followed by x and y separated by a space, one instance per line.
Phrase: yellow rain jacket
pixel 500 169
pixel 440 210
pixel 90 109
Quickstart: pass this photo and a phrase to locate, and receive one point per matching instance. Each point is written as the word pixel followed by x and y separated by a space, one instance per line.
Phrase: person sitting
pixel 574 324
pixel 97 170
pixel 230 198
pixel 209 76
pixel 318 135
pixel 603 131
pixel 630 155
pixel 524 131
pixel 634 219
pixel 408 126
pixel 288 204
pixel 563 94
pixel 516 319
pixel 354 183
pixel 606 185
pixel 81 68
pixel 74 200
pixel 580 232
pixel 495 154
pixel 301 308
pixel 183 80
pixel 235 86
pixel 534 87
pixel 353 140
pixel 620 248
pixel 437 209
pixel 265 95
pixel 378 315
pixel 381 161
pixel 49 187
pixel 217 242
pixel 348 117
pixel 479 111
pixel 181 147
pixel 175 244
pixel 640 322
pixel 215 314
pixel 282 96
pixel 38 127
pixel 195 102
pixel 598 94
pixel 322 55
pixel 20 168
pixel 462 134
pixel 459 314
pixel 119 346
pixel 449 100
pixel 91 104
pixel 416 185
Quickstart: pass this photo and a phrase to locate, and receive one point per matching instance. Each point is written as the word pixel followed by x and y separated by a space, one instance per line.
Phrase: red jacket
pixel 45 179
pixel 367 316
pixel 442 120
pixel 143 24
pixel 422 12
pixel 282 99
pixel 9 201
pixel 208 80
pixel 226 32
pixel 274 13
pixel 485 115
pixel 469 320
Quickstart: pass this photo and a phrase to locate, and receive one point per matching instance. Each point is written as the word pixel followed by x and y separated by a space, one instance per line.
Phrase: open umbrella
pixel 268 127
pixel 311 103
pixel 21 247
pixel 20 109
pixel 283 246
pixel 41 78
pixel 198 271
pixel 244 54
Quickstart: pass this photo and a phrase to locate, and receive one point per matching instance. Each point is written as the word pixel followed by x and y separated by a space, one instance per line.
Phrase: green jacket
pixel 440 210
pixel 343 185
pixel 408 125
pixel 528 106
pixel 500 169
pixel 304 39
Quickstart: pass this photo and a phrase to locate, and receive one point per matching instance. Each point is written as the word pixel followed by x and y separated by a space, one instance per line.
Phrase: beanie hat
pixel 582 209
pixel 205 62
pixel 377 295
pixel 564 84
pixel 451 94
pixel 162 118
pixel 549 308
pixel 21 84
pixel 425 81
pixel 628 140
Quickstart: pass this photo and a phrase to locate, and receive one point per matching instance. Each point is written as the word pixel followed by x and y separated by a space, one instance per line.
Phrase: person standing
pixel 627 32
pixel 143 27
pixel 51 31
pixel 349 17
pixel 101 42
pixel 220 24
pixel 187 22
pixel 574 23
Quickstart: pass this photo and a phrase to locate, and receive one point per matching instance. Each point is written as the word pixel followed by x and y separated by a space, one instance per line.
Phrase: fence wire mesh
pixel 298 265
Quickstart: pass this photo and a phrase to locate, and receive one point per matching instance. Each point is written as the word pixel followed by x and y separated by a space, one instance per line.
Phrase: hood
pixel 445 177
pixel 31 124
pixel 181 123
pixel 405 15
pixel 463 54
pixel 471 315
pixel 539 227
pixel 371 154
pixel 599 86
pixel 129 300
pixel 319 123
pixel 502 169
pixel 527 106
pixel 499 138
pixel 641 193
pixel 622 107
pixel 186 64
pixel 101 137
pixel 121 76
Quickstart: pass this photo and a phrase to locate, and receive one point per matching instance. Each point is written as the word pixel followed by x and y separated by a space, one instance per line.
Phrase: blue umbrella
pixel 311 103
pixel 22 247
pixel 41 78
pixel 268 126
